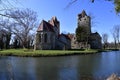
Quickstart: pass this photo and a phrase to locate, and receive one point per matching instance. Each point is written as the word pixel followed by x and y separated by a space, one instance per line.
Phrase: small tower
pixel 84 21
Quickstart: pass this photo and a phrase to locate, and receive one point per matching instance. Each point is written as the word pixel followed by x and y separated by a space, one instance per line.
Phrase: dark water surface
pixel 78 67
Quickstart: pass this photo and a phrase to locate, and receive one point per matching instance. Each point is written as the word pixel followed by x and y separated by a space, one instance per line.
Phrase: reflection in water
pixel 68 71
pixel 92 67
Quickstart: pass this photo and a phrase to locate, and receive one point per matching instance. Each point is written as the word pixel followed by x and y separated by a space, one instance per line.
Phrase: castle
pixel 94 39
pixel 48 35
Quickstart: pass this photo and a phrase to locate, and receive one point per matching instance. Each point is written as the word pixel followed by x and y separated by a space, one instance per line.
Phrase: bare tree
pixel 115 40
pixel 5 32
pixel 23 22
pixel 115 33
pixel 93 22
pixel 117 29
pixel 5 24
pixel 105 39
pixel 6 5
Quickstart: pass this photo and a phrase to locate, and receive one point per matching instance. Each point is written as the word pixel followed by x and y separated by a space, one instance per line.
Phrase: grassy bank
pixel 38 53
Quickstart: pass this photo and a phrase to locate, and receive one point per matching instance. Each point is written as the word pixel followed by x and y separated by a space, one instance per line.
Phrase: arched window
pixel 39 37
pixel 45 37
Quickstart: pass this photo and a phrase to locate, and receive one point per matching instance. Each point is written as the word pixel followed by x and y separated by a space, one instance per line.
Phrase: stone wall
pixel 63 43
pixel 43 44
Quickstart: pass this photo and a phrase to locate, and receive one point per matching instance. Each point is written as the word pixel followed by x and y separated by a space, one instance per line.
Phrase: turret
pixel 84 21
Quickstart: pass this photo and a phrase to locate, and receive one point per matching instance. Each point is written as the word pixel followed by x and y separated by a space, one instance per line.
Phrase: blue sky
pixel 104 15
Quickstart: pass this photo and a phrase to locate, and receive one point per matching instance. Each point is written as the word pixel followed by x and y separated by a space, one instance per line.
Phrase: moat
pixel 79 67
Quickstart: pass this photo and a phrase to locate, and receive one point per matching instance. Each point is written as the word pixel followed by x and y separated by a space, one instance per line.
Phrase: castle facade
pixel 94 39
pixel 48 36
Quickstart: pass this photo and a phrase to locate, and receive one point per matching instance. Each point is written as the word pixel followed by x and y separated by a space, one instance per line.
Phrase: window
pixel 45 37
pixel 39 37
pixel 74 38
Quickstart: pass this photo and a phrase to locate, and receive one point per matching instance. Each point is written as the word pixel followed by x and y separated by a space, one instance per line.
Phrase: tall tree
pixel 115 33
pixel 105 39
pixel 23 22
pixel 82 35
pixel 7 5
pixel 5 32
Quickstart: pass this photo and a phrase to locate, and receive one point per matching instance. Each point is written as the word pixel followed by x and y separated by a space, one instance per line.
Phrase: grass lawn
pixel 38 53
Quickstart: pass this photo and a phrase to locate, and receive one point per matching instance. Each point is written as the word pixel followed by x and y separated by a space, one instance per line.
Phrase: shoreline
pixel 47 53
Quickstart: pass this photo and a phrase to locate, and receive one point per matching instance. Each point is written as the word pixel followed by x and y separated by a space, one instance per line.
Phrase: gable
pixel 45 26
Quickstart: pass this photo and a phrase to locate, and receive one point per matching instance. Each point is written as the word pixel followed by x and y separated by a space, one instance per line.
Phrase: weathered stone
pixel 93 40
pixel 48 36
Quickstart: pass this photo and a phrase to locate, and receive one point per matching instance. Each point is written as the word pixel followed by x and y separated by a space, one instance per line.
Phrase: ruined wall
pixel 43 44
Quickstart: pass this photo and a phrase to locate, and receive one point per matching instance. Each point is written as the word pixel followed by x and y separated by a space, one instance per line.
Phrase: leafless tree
pixel 117 28
pixel 115 33
pixel 6 5
pixel 93 22
pixel 115 40
pixel 105 39
pixel 5 31
pixel 23 22
pixel 5 24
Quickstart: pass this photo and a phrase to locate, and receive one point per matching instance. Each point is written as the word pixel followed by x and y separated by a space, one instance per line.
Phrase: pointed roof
pixel 82 14
pixel 45 26
pixel 54 21
pixel 54 18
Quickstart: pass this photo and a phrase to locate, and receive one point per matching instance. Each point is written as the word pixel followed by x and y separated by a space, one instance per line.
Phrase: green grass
pixel 37 53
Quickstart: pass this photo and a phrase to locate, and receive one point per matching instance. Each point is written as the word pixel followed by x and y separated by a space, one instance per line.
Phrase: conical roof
pixel 83 14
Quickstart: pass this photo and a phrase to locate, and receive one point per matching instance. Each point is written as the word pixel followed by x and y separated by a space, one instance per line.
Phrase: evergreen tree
pixel 81 34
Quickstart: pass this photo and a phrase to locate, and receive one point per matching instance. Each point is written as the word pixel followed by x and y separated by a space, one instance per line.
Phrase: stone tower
pixel 84 21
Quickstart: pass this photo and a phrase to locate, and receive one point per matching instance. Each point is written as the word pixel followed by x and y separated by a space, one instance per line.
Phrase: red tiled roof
pixel 71 36
pixel 54 21
pixel 66 36
pixel 45 26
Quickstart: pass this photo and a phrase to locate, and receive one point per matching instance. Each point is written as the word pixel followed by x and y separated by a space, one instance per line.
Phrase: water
pixel 79 67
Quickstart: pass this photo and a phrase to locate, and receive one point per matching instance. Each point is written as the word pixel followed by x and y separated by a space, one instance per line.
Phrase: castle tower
pixel 84 21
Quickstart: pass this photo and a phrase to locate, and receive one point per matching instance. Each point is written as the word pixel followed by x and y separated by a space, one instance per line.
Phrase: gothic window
pixel 45 37
pixel 39 37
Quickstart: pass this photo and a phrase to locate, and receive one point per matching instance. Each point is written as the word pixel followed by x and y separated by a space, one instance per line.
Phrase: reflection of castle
pixel 48 36
pixel 94 39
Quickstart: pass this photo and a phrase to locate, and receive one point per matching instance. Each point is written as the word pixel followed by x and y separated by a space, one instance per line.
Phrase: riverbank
pixel 41 53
